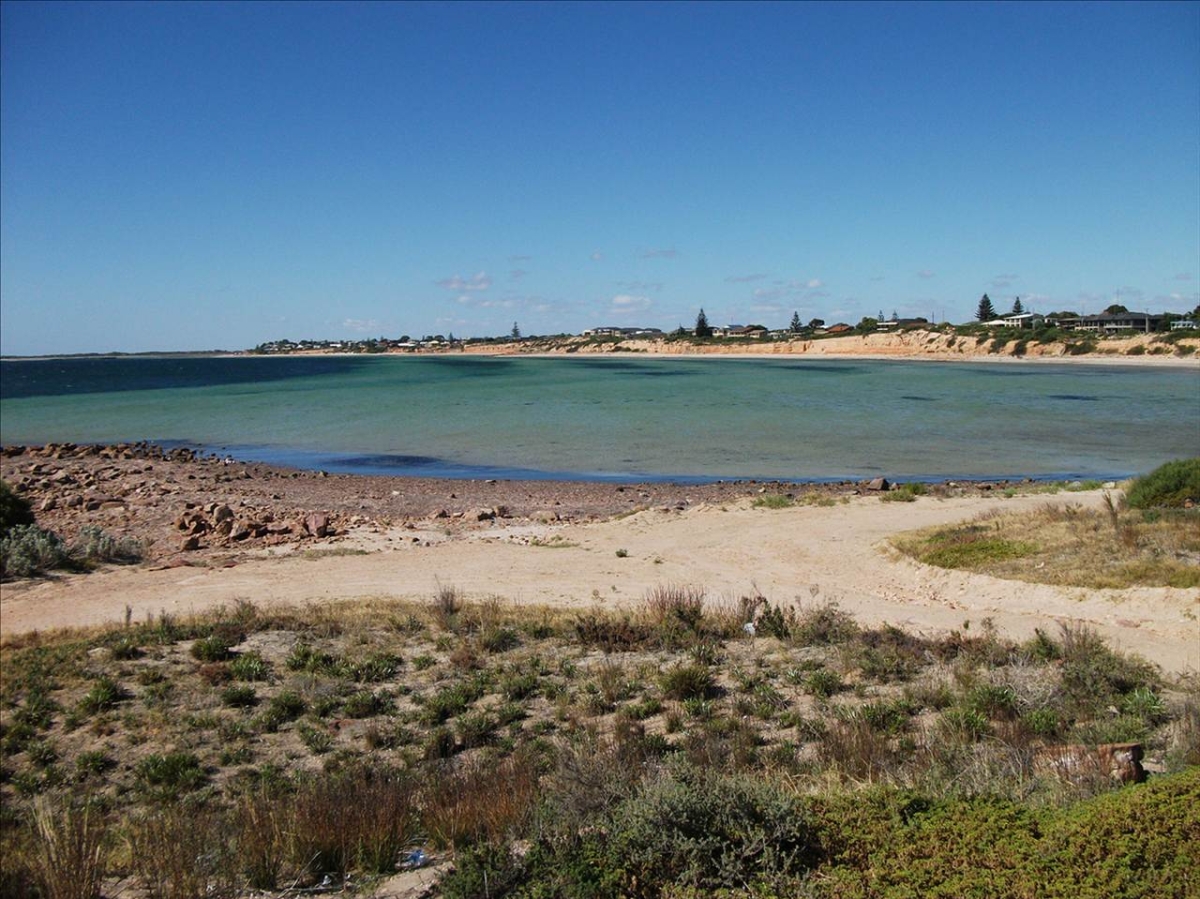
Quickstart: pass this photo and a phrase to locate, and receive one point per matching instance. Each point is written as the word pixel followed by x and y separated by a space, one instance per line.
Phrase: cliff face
pixel 907 344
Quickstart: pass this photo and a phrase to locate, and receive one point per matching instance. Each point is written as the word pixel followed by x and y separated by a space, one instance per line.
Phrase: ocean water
pixel 621 418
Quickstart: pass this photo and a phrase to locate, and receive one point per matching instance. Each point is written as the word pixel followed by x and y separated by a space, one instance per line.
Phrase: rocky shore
pixel 185 505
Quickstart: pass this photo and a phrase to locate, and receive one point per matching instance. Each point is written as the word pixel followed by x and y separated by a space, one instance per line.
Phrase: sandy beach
pixel 563 544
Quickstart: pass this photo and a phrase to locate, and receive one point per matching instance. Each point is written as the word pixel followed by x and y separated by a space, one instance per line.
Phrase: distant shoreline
pixel 931 346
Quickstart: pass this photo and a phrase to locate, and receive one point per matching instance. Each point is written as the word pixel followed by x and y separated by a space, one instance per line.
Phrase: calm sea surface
pixel 621 418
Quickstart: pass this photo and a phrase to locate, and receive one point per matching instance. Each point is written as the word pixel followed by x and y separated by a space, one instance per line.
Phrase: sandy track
pixel 801 554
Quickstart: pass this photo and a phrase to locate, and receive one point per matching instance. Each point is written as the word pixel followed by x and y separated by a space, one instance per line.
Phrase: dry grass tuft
pixel 68 858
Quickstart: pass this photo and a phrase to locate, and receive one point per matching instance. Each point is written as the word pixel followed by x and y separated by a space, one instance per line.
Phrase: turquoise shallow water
pixel 621 418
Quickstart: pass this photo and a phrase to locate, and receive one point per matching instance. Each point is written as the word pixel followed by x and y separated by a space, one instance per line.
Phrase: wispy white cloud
pixel 478 281
pixel 361 325
pixel 478 302
pixel 745 279
pixel 596 256
pixel 660 253
pixel 634 286
pixel 805 291
pixel 628 304
pixel 926 273
pixel 767 308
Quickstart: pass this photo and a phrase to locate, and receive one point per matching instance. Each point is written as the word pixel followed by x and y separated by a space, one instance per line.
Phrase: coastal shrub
pixel 688 681
pixel 1172 485
pixel 94 545
pixel 104 694
pixel 211 649
pixel 27 550
pixel 707 831
pixel 823 683
pixel 1095 676
pixel 14 509
pixel 250 666
pixel 905 493
pixel 166 775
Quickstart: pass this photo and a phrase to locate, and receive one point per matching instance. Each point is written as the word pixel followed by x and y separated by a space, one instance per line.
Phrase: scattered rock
pixel 316 524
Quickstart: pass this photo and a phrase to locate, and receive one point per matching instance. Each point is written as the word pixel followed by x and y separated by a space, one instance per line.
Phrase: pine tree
pixel 1018 309
pixel 796 327
pixel 986 312
pixel 702 327
pixel 516 332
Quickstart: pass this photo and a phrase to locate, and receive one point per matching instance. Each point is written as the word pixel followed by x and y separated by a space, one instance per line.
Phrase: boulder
pixel 316 524
pixel 1121 762
pixel 879 484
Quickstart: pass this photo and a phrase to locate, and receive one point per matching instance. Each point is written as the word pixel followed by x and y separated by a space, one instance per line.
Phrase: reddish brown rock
pixel 1120 762
pixel 316 524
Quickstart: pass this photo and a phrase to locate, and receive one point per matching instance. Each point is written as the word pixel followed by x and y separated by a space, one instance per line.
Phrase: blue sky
pixel 196 176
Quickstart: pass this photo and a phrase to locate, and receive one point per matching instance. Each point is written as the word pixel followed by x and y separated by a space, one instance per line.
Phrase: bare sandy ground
pixel 802 555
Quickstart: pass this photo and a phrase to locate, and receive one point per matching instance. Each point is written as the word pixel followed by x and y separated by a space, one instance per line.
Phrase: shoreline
pixel 216 533
pixel 929 346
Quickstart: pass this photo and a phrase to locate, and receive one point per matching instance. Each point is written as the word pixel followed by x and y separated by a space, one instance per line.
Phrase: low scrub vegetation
pixel 685 748
pixel 1153 539
pixel 27 550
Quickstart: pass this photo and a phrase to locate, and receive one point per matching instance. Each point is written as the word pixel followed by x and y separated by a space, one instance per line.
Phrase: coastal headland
pixel 216 531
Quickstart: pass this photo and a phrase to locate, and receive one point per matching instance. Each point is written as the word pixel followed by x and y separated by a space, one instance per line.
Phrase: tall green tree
pixel 795 326
pixel 1017 307
pixel 516 332
pixel 986 311
pixel 703 329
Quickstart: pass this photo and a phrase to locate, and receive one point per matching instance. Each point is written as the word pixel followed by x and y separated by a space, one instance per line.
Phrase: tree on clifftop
pixel 703 329
pixel 986 312
pixel 795 326
pixel 516 332
pixel 1017 307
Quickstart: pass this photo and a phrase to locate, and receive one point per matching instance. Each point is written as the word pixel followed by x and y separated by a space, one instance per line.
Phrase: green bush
pixel 94 545
pixel 1170 486
pixel 27 550
pixel 707 831
pixel 14 509
pixel 250 666
pixel 688 681
pixel 211 649
pixel 171 773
